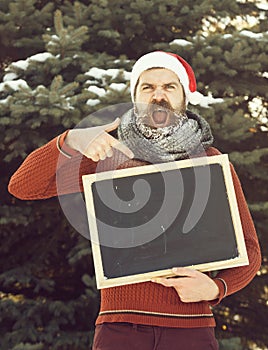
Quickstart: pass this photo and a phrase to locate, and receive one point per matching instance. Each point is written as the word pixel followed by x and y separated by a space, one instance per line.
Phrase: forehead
pixel 158 76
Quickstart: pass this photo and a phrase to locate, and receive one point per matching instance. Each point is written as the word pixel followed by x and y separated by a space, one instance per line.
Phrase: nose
pixel 159 95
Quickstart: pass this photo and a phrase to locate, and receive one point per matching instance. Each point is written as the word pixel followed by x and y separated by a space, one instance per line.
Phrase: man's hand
pixel 95 143
pixel 191 285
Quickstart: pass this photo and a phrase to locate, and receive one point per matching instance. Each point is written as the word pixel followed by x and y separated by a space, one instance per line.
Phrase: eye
pixel 147 87
pixel 170 87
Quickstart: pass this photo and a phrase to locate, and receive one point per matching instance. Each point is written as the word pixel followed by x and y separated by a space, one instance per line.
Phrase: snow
pixel 100 74
pixel 55 37
pixel 113 72
pixel 40 57
pixel 96 90
pixel 227 36
pixel 127 75
pixel 103 75
pixel 180 42
pixel 91 82
pixel 23 64
pixel 5 100
pixel 117 86
pixel 91 102
pixel 14 85
pixel 97 73
pixel 263 6
pixel 252 35
pixel 119 61
pixel 10 76
pixel 258 109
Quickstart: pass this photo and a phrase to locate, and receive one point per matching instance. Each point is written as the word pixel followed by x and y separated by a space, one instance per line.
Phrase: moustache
pixel 154 106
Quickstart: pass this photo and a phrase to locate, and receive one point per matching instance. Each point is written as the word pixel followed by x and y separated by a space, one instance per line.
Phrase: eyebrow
pixel 170 83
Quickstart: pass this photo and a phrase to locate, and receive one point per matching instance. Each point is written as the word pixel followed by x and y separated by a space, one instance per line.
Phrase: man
pixel 172 313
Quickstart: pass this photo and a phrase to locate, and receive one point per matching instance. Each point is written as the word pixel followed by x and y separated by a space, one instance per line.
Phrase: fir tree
pixel 64 71
pixel 22 24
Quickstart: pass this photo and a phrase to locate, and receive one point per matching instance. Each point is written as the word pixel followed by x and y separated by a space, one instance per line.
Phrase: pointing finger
pixel 122 148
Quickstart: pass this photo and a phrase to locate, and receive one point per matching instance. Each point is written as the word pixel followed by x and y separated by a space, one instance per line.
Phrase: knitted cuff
pixel 222 291
pixel 63 148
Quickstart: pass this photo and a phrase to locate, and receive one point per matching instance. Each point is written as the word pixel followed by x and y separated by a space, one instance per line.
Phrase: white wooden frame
pixel 88 180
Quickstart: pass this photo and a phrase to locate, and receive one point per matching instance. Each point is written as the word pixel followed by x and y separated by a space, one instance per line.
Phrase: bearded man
pixel 173 313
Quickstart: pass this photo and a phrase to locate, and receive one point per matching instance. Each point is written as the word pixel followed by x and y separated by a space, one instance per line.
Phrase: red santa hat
pixel 173 62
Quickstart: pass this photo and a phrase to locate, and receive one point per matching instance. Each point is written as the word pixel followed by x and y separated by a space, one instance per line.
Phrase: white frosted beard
pixel 151 132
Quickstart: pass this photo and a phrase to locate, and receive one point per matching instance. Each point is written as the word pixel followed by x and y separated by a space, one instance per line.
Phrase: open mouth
pixel 160 116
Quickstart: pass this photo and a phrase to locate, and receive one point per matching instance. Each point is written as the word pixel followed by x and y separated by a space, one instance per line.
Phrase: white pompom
pixel 195 98
pixel 203 101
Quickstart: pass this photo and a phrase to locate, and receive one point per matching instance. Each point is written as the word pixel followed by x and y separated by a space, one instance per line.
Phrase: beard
pixel 159 114
pixel 159 119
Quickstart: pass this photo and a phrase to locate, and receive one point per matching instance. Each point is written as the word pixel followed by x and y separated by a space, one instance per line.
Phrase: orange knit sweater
pixel 143 303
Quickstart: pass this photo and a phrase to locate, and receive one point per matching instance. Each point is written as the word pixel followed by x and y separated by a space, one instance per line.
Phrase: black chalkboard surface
pixel 144 221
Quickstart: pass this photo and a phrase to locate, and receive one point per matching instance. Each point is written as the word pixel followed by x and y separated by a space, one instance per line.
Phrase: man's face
pixel 159 98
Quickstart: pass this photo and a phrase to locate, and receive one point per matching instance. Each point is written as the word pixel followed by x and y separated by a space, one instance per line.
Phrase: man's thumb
pixel 112 126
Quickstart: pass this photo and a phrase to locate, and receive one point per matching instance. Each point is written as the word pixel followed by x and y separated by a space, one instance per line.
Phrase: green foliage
pixel 22 24
pixel 231 344
pixel 47 299
pixel 48 296
pixel 254 162
pixel 67 41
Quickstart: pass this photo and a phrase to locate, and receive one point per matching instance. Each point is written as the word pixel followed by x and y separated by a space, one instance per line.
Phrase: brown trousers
pixel 127 336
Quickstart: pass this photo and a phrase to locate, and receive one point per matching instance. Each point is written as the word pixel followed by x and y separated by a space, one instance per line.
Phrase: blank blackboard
pixel 146 220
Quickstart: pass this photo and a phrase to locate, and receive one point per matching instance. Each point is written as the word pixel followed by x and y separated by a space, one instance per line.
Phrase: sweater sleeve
pixel 230 281
pixel 49 171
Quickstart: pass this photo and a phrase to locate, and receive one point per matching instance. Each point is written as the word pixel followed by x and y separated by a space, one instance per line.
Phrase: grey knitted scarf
pixel 191 136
